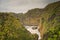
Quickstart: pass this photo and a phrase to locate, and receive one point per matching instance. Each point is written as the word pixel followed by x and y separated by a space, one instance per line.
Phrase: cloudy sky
pixel 22 5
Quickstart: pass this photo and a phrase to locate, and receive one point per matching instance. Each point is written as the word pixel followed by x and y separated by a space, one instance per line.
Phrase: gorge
pixel 36 24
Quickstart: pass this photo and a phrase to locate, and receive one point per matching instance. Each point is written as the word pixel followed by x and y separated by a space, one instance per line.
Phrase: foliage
pixel 51 22
pixel 12 29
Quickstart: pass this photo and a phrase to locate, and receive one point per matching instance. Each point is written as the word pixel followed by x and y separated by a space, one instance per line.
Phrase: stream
pixel 33 30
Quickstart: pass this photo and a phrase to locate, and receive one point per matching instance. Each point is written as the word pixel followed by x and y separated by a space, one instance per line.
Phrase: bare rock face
pixel 42 28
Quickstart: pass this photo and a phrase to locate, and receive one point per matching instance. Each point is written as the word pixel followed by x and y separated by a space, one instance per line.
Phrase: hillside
pixel 32 17
pixel 12 29
pixel 50 22
pixel 47 19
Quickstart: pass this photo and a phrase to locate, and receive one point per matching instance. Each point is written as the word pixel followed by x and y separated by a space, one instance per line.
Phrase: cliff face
pixel 32 17
pixel 50 22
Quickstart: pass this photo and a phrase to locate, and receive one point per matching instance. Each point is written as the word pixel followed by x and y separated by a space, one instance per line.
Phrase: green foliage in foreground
pixel 52 34
pixel 52 22
pixel 12 29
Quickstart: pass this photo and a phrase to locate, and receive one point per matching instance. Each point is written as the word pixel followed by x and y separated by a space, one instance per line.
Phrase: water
pixel 33 31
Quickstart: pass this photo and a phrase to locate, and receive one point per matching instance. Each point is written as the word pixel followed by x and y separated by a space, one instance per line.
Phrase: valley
pixel 35 24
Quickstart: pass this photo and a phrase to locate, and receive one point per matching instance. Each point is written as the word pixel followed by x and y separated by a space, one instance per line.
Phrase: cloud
pixel 23 5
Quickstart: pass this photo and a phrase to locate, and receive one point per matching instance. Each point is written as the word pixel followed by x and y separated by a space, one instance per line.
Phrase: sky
pixel 22 6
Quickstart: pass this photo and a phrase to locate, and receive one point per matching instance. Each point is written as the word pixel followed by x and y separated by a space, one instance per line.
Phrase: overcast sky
pixel 22 5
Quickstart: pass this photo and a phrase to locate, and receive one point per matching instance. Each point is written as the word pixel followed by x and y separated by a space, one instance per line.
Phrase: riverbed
pixel 33 30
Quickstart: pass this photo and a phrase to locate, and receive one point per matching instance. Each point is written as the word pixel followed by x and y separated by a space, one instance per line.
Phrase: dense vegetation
pixel 32 17
pixel 48 20
pixel 12 29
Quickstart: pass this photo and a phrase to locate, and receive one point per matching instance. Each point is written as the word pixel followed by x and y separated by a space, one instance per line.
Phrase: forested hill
pixel 12 29
pixel 50 22
pixel 47 19
pixel 32 17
